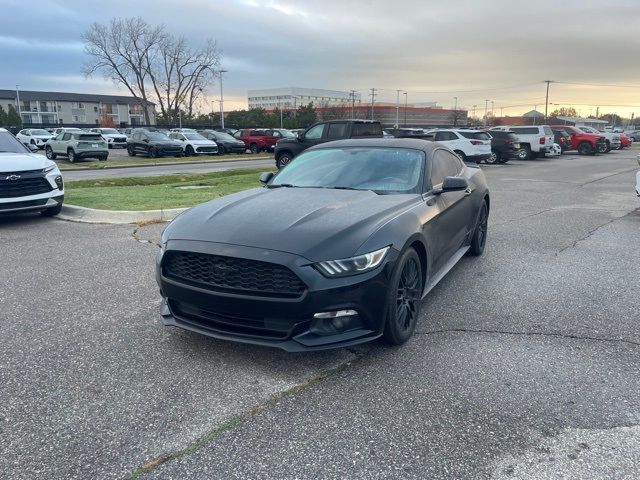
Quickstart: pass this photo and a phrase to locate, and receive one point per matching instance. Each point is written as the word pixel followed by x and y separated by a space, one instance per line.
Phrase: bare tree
pixel 121 51
pixel 151 64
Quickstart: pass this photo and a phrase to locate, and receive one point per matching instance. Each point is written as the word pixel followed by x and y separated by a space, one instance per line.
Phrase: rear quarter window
pixel 547 130
pixel 366 130
pixel 88 138
pixel 476 135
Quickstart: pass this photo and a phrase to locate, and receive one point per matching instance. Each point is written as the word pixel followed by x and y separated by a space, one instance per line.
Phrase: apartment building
pixel 58 108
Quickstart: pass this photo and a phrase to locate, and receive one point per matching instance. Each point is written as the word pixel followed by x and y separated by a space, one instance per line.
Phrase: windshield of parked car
pixel 224 137
pixel 9 144
pixel 157 136
pixel 383 170
pixel 40 132
pixel 110 131
pixel 194 136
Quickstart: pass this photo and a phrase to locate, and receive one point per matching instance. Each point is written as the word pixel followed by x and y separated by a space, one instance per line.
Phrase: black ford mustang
pixel 337 249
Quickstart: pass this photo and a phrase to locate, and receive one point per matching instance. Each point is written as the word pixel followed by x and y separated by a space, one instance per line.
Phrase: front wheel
pixel 479 238
pixel 494 158
pixel 585 149
pixel 49 153
pixel 188 151
pixel 284 159
pixel 254 148
pixel 131 151
pixel 403 299
pixel 72 155
pixel 153 153
pixel 222 150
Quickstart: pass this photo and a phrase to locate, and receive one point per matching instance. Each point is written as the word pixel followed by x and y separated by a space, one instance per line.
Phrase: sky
pixel 501 51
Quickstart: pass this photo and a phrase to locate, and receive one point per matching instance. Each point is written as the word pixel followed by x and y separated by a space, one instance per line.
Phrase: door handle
pixel 467 192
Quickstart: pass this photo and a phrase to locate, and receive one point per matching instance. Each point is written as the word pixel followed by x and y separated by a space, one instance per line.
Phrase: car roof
pixel 413 143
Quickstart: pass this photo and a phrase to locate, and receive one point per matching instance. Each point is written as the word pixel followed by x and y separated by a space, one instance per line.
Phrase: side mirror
pixel 265 177
pixel 453 184
pixel 301 136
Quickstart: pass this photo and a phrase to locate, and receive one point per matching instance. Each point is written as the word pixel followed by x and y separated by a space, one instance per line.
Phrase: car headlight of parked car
pixel 353 265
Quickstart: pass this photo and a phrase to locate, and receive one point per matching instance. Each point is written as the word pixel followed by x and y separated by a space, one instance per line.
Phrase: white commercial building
pixel 293 97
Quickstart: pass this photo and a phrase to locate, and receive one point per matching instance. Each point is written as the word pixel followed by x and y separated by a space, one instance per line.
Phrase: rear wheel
pixel 222 150
pixel 153 153
pixel 524 153
pixel 480 233
pixel 284 159
pixel 254 148
pixel 72 155
pixel 188 151
pixel 585 149
pixel 102 158
pixel 131 151
pixel 494 158
pixel 403 299
pixel 49 153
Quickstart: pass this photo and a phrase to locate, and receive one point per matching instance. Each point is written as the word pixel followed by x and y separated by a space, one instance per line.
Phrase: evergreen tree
pixel 13 119
pixel 3 117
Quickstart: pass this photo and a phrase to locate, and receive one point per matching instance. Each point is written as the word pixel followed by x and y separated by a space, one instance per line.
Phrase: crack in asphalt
pixel 608 176
pixel 589 234
pixel 273 399
pixel 532 334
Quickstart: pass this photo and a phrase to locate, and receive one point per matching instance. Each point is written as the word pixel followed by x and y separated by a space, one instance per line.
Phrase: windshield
pixel 224 137
pixel 40 132
pixel 88 137
pixel 157 136
pixel 194 136
pixel 286 134
pixel 110 131
pixel 383 170
pixel 9 144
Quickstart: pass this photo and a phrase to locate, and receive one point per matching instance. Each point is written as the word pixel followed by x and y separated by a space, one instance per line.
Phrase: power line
pixel 373 97
pixel 598 84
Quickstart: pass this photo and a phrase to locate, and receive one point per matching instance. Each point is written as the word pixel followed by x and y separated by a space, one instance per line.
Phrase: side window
pixel 444 136
pixel 444 164
pixel 314 133
pixel 238 134
pixel 66 136
pixel 525 130
pixel 366 130
pixel 337 130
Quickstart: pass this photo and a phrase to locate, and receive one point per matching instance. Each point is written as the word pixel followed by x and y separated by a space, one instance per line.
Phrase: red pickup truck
pixel 584 143
pixel 258 140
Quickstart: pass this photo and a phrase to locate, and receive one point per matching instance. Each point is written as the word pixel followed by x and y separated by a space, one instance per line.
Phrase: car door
pixel 313 136
pixel 447 231
pixel 53 143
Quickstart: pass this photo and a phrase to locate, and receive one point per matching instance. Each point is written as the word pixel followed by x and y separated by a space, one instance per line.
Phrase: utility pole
pixel 535 109
pixel 18 100
pixel 501 112
pixel 597 112
pixel 455 111
pixel 546 103
pixel 486 105
pixel 492 110
pixel 398 108
pixel 405 109
pixel 474 111
pixel 352 94
pixel 373 97
pixel 222 100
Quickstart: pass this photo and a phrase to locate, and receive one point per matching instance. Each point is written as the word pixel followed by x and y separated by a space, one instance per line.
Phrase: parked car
pixel 152 144
pixel 562 138
pixel 625 141
pixel 370 227
pixel 534 140
pixel 611 139
pixel 258 140
pixel 114 138
pixel 34 136
pixel 182 130
pixel 77 145
pixel 404 132
pixel 467 144
pixel 635 135
pixel 194 143
pixel 226 143
pixel 60 130
pixel 28 182
pixel 585 143
pixel 287 149
pixel 504 146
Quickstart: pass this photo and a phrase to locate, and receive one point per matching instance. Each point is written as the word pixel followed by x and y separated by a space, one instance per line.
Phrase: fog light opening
pixel 338 321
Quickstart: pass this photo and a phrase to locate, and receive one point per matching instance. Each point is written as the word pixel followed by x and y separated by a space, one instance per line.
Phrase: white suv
pixel 194 143
pixel 469 145
pixel 34 136
pixel 28 182
pixel 114 138
pixel 535 140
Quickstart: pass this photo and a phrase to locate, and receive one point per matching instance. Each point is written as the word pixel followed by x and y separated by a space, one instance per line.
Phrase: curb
pixel 137 165
pixel 75 213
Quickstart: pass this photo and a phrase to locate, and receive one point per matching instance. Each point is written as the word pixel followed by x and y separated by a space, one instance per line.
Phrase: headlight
pixel 353 265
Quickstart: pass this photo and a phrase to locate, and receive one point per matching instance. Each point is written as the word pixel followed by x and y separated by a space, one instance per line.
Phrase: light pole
pixel 535 110
pixel 455 111
pixel 18 100
pixel 398 108
pixel 474 111
pixel 486 105
pixel 222 100
pixel 405 109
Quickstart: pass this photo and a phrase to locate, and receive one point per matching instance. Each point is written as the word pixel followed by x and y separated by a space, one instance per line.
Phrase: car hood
pixel 166 143
pixel 314 223
pixel 18 162
pixel 203 142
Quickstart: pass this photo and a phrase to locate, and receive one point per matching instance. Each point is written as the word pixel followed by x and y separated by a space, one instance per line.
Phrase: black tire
pixel 585 148
pixel 608 149
pixel 131 151
pixel 479 238
pixel 494 158
pixel 403 299
pixel 48 151
pixel 461 154
pixel 188 151
pixel 50 212
pixel 254 148
pixel 524 153
pixel 103 158
pixel 222 150
pixel 284 159
pixel 71 155
pixel 153 153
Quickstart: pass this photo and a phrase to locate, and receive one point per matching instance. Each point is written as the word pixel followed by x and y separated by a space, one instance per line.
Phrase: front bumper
pixel 91 153
pixel 275 321
pixel 26 204
pixel 207 149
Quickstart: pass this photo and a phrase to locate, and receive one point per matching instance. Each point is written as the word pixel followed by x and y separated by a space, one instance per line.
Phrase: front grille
pixel 29 183
pixel 233 324
pixel 207 149
pixel 234 275
pixel 25 204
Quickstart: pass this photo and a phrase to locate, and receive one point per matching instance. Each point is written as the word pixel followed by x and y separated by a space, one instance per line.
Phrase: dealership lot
pixel 526 358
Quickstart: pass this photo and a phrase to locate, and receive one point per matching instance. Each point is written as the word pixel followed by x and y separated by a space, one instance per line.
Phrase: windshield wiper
pixel 287 185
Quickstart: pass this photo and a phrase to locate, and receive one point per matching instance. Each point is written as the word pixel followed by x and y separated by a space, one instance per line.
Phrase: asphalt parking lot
pixel 526 363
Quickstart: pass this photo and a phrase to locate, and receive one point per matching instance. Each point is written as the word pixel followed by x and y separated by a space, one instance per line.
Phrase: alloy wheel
pixel 408 295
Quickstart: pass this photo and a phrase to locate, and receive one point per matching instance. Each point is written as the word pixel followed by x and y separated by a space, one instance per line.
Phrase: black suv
pixel 288 148
pixel 226 143
pixel 504 146
pixel 153 144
